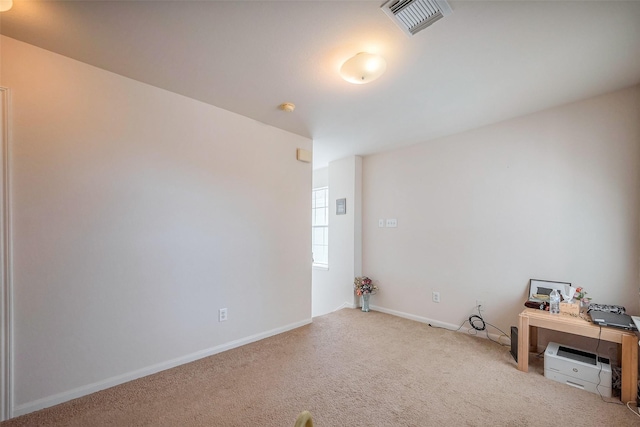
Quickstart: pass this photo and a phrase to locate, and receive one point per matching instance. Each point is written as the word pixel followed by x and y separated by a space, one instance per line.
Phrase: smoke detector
pixel 415 15
pixel 287 106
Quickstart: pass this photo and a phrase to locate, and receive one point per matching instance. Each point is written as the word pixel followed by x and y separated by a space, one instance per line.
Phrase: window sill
pixel 320 267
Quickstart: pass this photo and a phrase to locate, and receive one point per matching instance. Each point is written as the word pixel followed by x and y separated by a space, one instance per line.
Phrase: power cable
pixel 615 402
pixel 477 323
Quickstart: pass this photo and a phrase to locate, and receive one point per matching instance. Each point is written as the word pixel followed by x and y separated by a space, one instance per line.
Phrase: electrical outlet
pixel 435 296
pixel 222 315
pixel 481 305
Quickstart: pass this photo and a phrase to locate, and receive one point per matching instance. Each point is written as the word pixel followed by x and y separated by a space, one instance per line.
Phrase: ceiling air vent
pixel 415 15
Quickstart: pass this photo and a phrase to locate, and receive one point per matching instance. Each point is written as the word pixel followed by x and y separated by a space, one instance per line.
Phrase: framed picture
pixel 539 290
pixel 341 206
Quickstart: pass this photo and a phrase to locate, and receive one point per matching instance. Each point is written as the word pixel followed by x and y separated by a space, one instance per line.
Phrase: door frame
pixel 6 283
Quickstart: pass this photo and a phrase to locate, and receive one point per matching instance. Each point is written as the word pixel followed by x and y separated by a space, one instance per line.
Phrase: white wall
pixel 320 177
pixel 137 214
pixel 553 195
pixel 333 287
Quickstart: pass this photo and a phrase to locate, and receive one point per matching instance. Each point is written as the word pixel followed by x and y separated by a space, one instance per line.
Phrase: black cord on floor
pixel 477 323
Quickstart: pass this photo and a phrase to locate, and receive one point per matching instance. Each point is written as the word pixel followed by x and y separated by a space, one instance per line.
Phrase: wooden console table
pixel 531 319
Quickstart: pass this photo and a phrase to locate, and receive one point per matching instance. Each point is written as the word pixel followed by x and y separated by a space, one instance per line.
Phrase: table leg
pixel 523 343
pixel 533 339
pixel 629 391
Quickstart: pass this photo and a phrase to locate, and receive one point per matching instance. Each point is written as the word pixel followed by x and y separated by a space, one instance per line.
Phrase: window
pixel 320 226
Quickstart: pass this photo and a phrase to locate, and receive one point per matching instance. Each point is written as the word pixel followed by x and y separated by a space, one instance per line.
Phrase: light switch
pixel 392 222
pixel 381 223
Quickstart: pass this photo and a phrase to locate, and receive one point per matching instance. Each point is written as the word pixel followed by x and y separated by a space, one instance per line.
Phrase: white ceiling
pixel 487 62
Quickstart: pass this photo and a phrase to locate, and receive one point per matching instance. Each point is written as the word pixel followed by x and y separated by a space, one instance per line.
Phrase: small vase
pixel 365 302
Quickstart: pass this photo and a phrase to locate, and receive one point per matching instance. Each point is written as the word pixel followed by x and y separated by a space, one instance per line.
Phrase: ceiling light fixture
pixel 363 68
pixel 5 5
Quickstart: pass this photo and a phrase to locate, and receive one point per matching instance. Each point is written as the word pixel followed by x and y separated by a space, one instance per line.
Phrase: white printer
pixel 577 368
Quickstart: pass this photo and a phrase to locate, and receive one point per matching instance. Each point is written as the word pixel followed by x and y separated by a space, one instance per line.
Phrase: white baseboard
pixel 345 305
pixel 450 326
pixel 416 318
pixel 130 376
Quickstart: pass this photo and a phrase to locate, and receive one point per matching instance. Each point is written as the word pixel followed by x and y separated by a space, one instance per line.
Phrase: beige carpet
pixel 348 368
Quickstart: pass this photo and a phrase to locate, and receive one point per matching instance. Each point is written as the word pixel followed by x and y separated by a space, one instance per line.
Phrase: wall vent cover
pixel 415 15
